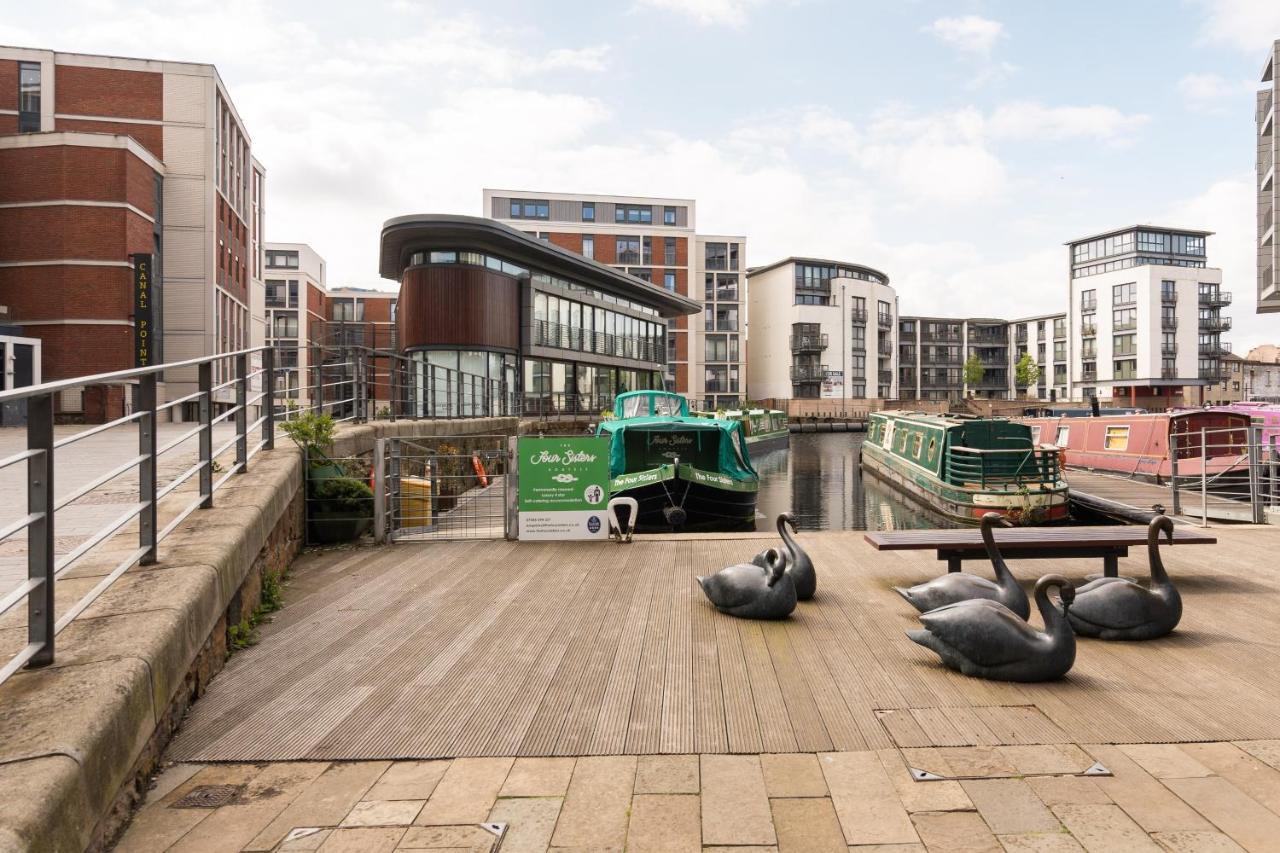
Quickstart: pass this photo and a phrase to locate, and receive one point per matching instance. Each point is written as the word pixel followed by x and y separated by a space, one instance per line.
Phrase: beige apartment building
pixel 1268 187
pixel 656 240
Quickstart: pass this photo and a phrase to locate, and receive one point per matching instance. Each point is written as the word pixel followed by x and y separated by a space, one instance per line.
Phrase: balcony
pixel 858 315
pixel 1215 298
pixel 941 358
pixel 1125 375
pixel 1213 374
pixel 1266 220
pixel 1021 336
pixel 1087 305
pixel 808 372
pixel 1168 373
pixel 1215 324
pixel 940 337
pixel 1125 327
pixel 808 343
pixel 1088 331
pixel 1168 322
pixel 1169 297
pixel 885 376
pixel 1088 375
pixel 1059 334
pixel 884 346
pixel 1168 349
pixel 1220 348
pixel 993 359
pixel 1127 352
pixel 884 321
pixel 1000 339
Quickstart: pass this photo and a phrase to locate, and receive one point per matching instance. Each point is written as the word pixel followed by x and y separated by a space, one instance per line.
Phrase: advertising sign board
pixel 563 487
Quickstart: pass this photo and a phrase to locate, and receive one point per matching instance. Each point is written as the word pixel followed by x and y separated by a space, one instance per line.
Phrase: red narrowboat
pixel 1138 445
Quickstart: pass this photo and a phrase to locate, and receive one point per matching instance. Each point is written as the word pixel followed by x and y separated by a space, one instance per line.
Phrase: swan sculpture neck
pixel 1055 620
pixel 1158 524
pixel 778 562
pixel 989 521
pixel 788 540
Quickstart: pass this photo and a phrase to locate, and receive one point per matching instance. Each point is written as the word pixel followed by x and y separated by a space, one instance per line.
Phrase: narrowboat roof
pixel 945 421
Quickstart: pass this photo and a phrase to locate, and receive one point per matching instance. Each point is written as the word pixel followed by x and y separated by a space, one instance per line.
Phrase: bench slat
pixel 1026 537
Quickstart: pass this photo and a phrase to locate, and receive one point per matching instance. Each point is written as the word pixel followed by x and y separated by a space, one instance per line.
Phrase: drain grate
pixel 208 797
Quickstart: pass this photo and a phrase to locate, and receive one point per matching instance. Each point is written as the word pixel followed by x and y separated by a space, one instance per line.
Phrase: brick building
pixel 105 158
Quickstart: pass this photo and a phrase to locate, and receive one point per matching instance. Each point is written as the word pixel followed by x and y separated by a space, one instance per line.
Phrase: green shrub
pixel 345 496
pixel 313 433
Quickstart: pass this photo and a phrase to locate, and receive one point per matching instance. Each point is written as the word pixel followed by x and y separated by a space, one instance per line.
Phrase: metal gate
pixel 441 487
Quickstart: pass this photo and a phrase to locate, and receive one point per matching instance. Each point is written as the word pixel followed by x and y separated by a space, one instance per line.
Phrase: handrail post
pixel 393 380
pixel 40 552
pixel 1173 473
pixel 1204 480
pixel 379 490
pixel 205 372
pixel 242 420
pixel 1254 434
pixel 269 397
pixel 147 468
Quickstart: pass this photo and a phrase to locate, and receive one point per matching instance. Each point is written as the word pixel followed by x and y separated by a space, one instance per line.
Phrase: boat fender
pixel 479 469
pixel 675 515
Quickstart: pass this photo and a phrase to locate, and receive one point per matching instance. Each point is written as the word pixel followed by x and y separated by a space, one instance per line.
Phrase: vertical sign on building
pixel 563 487
pixel 144 330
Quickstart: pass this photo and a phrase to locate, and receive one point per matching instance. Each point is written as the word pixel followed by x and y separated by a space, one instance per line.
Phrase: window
pixel 1059 350
pixel 1064 432
pixel 669 251
pixel 282 259
pixel 669 281
pixel 1168 291
pixel 1124 319
pixel 28 97
pixel 716 256
pixel 639 214
pixel 733 256
pixel 1059 328
pixel 588 246
pixel 628 250
pixel 646 250
pixel 588 211
pixel 348 310
pixel 1124 369
pixel 1088 300
pixel 1117 438
pixel 668 216
pixel 1089 348
pixel 527 209
pixel 1124 294
pixel 276 293
pixel 726 287
pixel 285 325
pixel 642 274
pixel 1124 344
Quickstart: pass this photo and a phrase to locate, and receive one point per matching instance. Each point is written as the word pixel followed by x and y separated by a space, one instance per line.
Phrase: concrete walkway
pixel 1191 797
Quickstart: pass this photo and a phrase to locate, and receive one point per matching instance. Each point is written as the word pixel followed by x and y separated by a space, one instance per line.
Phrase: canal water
pixel 820 482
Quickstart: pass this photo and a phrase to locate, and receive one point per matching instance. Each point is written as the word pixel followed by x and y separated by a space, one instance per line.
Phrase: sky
pixel 954 145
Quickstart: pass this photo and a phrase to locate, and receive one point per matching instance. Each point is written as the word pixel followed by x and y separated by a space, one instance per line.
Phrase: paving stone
pixel 1102 829
pixel 1266 751
pixel 169 778
pixel 795 774
pixel 158 827
pixel 807 825
pixel 538 777
pixel 1196 842
pixel 887 848
pixel 466 792
pixel 1249 824
pixel 323 802
pixel 865 799
pixel 1040 842
pixel 364 839
pixel 976 761
pixel 383 813
pixel 735 804
pixel 667 774
pixel 954 832
pixel 1165 760
pixel 1256 778
pixel 1009 806
pixel 468 836
pixel 1154 807
pixel 266 798
pixel 1064 790
pixel 211 774
pixel 594 813
pixel 755 848
pixel 665 822
pixel 530 822
pixel 303 839
pixel 408 780
pixel 1046 758
pixel 916 796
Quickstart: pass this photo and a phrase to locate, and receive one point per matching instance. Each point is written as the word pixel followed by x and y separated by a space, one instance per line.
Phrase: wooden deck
pixel 1143 496
pixel 508 649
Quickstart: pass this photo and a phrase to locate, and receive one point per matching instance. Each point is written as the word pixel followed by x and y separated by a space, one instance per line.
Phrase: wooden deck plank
pixel 497 648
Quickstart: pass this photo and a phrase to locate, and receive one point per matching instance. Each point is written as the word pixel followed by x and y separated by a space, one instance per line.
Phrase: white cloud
pixel 1212 93
pixel 1248 25
pixel 969 33
pixel 726 13
pixel 1025 120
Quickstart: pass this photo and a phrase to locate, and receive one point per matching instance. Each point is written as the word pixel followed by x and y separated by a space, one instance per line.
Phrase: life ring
pixel 479 469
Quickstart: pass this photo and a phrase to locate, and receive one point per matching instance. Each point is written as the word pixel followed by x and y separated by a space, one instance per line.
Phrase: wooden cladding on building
pixel 459 307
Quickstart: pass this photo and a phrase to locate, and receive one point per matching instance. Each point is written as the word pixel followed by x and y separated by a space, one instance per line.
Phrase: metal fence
pixel 1230 473
pixel 441 487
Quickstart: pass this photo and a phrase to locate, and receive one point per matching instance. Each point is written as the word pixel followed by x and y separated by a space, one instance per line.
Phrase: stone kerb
pixel 78 738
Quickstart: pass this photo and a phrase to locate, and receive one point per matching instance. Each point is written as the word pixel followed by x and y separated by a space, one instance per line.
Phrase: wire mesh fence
pixel 1226 474
pixel 445 487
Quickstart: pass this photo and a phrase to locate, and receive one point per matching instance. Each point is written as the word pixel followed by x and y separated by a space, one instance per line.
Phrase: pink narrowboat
pixel 1267 413
pixel 1138 445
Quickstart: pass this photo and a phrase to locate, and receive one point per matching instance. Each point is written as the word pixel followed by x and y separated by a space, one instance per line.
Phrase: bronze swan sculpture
pixel 962 586
pixel 801 567
pixel 748 591
pixel 1119 609
pixel 985 639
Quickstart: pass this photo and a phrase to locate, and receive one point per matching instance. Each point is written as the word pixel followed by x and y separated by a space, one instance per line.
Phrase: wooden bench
pixel 1031 543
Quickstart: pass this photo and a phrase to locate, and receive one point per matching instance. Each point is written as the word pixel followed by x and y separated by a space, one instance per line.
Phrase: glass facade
pixel 28 97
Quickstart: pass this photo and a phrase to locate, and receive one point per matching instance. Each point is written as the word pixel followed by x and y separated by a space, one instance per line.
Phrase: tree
pixel 1026 373
pixel 973 370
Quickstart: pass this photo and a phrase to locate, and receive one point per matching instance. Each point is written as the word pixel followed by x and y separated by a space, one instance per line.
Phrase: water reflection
pixel 819 480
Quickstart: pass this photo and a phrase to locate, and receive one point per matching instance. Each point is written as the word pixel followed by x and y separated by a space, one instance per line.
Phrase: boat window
pixel 1035 434
pixel 635 407
pixel 933 447
pixel 666 406
pixel 917 441
pixel 902 442
pixel 1063 433
pixel 1117 438
pixel 886 435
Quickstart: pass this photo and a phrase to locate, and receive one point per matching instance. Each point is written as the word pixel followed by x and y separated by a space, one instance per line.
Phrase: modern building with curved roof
pixel 821 328
pixel 531 327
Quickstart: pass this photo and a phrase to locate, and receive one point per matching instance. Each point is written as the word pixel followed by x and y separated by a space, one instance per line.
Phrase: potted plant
pixel 339 507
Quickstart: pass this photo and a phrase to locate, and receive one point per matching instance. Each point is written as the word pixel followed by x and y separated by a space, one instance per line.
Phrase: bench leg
pixel 1110 566
pixel 953 564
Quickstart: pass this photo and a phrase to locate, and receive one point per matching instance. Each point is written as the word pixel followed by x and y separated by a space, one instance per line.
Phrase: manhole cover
pixel 208 797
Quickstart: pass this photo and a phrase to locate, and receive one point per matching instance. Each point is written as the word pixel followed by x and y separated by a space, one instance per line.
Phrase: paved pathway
pixel 1191 797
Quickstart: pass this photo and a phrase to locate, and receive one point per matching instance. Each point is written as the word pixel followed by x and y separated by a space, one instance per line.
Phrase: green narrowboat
pixel 685 472
pixel 765 429
pixel 964 467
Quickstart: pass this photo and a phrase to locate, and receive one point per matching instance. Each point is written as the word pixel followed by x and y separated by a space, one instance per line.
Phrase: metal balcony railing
pixel 1215 298
pixel 940 337
pixel 1088 331
pixel 1168 349
pixel 884 347
pixel 1214 374
pixel 1220 348
pixel 1089 304
pixel 885 376
pixel 1168 322
pixel 858 315
pixel 808 373
pixel 1168 373
pixel 808 343
pixel 1089 375
pixel 884 321
pixel 1169 297
pixel 1215 324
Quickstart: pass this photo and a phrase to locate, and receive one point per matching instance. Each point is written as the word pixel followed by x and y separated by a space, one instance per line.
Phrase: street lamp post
pixel 844 325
